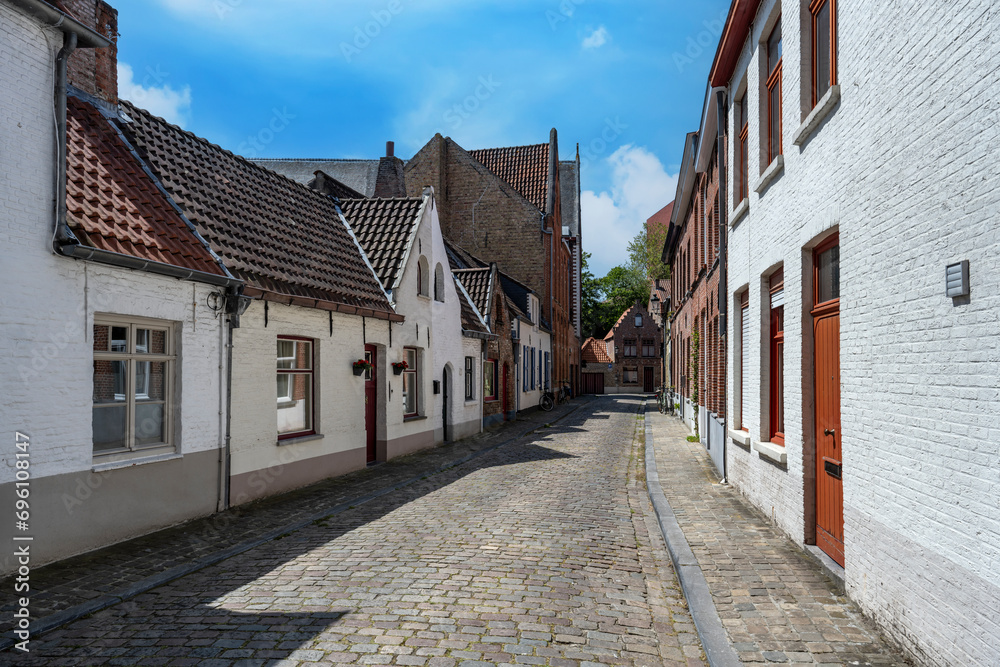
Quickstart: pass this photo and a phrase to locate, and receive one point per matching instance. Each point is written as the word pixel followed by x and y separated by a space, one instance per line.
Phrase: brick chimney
pixel 95 71
pixel 390 181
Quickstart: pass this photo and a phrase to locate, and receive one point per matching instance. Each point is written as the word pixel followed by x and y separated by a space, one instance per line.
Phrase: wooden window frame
pixel 629 344
pixel 626 371
pixel 744 159
pixel 131 356
pixel 311 372
pixel 744 317
pixel 470 378
pixel 776 393
pixel 814 9
pixel 490 370
pixel 648 348
pixel 414 373
pixel 774 77
pixel 830 304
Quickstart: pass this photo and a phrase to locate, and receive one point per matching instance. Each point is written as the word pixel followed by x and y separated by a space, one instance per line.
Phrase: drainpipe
pixel 720 97
pixel 62 235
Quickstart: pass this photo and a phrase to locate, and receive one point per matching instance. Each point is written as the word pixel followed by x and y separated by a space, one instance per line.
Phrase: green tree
pixel 645 252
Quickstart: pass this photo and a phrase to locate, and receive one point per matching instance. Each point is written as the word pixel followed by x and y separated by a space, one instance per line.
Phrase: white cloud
pixel 640 186
pixel 596 39
pixel 161 100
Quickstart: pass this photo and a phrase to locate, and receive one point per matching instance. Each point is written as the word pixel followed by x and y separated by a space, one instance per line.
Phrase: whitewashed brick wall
pixel 906 168
pixel 49 301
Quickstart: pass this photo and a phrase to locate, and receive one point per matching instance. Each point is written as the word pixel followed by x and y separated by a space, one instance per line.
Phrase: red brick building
pixel 692 252
pixel 628 360
pixel 504 205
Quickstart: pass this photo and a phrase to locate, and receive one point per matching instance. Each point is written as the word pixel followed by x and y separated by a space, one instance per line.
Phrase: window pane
pixel 779 411
pixel 150 341
pixel 774 48
pixel 284 387
pixel 109 381
pixel 294 354
pixel 822 45
pixel 743 112
pixel 102 338
pixel 411 358
pixel 775 113
pixel 295 415
pixel 286 354
pixel 150 378
pixel 109 428
pixel 409 393
pixel 119 339
pixel 488 388
pixel 829 274
pixel 149 423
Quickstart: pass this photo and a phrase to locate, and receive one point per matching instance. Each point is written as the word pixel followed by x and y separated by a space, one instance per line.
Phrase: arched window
pixel 423 277
pixel 438 283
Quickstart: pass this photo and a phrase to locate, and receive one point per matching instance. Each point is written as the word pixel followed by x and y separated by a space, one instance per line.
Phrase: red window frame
pixel 814 10
pixel 829 243
pixel 743 159
pixel 776 390
pixel 774 82
pixel 311 372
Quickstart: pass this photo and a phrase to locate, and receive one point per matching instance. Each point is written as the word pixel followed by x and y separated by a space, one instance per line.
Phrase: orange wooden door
pixel 829 460
pixel 371 400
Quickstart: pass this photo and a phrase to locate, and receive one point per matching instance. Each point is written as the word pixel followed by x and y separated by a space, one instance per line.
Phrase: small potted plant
pixel 362 366
pixel 398 367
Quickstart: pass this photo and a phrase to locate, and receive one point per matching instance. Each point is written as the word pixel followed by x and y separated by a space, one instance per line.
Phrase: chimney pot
pixel 389 146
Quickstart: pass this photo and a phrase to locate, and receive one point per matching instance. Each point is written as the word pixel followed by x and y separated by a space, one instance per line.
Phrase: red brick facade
pixel 501 349
pixel 487 217
pixel 637 342
pixel 693 256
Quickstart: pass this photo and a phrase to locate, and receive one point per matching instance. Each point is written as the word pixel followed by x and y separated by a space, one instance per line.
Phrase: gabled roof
pixel 595 351
pixel 525 168
pixel 328 185
pixel 114 205
pixel 473 324
pixel 478 284
pixel 628 311
pixel 460 259
pixel 516 292
pixel 385 229
pixel 283 239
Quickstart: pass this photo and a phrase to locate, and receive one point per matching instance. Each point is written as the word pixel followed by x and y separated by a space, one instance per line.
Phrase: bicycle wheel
pixel 546 403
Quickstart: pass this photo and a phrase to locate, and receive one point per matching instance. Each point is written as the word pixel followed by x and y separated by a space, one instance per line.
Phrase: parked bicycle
pixel 550 400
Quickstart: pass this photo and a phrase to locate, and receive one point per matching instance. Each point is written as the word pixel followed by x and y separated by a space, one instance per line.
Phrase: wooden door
pixel 647 379
pixel 371 401
pixel 446 392
pixel 829 460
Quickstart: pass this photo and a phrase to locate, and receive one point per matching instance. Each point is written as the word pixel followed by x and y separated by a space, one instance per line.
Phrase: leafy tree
pixel 645 252
pixel 622 287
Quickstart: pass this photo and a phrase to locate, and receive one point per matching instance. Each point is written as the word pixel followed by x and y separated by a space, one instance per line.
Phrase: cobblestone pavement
pixel 542 551
pixel 777 605
pixel 115 569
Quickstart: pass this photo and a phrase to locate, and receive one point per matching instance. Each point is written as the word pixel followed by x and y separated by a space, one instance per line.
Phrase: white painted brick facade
pixel 46 326
pixel 905 167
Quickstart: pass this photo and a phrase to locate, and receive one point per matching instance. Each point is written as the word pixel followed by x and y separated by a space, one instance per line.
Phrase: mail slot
pixel 833 469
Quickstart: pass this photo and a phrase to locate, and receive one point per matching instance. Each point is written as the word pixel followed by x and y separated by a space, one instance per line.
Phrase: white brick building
pixel 893 165
pixel 101 359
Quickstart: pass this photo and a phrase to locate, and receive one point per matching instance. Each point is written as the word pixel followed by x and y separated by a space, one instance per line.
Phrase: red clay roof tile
pixel 525 168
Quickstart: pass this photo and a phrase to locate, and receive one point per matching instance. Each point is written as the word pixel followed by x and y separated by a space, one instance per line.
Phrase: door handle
pixel 829 431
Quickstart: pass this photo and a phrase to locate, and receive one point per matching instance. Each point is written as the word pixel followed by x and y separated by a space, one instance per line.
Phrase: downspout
pixel 228 464
pixel 62 235
pixel 723 264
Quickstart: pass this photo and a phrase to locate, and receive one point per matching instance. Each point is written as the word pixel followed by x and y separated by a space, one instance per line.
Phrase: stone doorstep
pixel 130 590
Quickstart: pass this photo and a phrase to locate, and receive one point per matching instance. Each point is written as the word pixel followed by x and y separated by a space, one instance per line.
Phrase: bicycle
pixel 550 400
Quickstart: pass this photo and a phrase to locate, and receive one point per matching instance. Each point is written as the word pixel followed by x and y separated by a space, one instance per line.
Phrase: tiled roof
pixel 470 321
pixel 114 205
pixel 384 228
pixel 460 259
pixel 595 351
pixel 477 284
pixel 359 175
pixel 525 168
pixel 277 235
pixel 516 292
pixel 328 185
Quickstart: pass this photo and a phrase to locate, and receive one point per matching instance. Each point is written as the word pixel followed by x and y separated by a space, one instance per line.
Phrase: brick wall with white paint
pixel 46 330
pixel 904 167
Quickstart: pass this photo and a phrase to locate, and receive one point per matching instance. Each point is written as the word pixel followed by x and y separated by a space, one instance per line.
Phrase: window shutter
pixel 777 298
pixel 744 361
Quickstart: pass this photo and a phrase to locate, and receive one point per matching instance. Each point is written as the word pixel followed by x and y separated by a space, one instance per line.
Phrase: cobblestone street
pixel 544 551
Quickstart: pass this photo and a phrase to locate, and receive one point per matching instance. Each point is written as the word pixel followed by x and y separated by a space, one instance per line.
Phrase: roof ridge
pixel 500 148
pixel 314 159
pixel 237 156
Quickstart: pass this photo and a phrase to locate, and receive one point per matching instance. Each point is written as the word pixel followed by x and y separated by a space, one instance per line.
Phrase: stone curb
pixel 714 640
pixel 76 612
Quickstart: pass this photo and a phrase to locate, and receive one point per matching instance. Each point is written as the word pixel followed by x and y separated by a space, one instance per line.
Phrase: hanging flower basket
pixel 398 367
pixel 361 366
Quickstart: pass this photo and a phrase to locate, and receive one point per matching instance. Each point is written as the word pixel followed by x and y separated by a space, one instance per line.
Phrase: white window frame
pixel 132 358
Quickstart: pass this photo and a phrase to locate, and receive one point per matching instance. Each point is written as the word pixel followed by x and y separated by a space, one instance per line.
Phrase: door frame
pixel 371 424
pixel 445 408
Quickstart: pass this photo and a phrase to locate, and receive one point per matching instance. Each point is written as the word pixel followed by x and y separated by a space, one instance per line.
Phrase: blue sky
pixel 313 78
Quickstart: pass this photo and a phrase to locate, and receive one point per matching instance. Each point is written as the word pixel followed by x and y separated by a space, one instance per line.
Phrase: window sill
pixel 471 401
pixel 299 439
pixel 738 212
pixel 773 171
pixel 772 451
pixel 138 460
pixel 491 400
pixel 741 438
pixel 414 418
pixel 816 116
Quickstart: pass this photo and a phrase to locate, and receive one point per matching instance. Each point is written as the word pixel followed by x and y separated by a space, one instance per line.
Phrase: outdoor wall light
pixel 957 279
